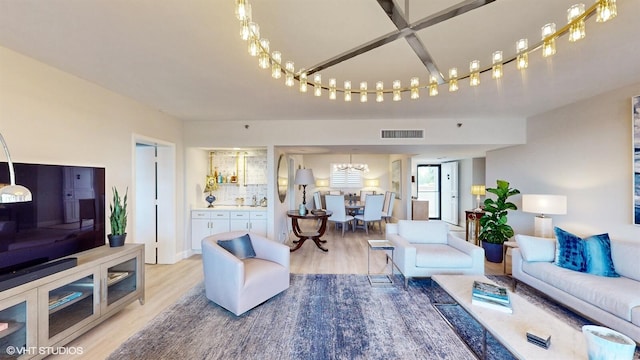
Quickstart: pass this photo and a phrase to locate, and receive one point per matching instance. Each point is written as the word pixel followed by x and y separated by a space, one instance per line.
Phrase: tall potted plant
pixel 494 230
pixel 118 219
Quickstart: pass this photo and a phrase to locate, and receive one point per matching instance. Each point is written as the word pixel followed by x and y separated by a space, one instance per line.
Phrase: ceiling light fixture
pixel 575 28
pixel 351 166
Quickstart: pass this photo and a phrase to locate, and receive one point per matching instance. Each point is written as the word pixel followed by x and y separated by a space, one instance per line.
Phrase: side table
pixel 506 246
pixel 380 279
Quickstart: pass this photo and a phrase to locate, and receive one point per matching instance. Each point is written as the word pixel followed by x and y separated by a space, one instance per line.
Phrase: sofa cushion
pixel 423 232
pixel 618 296
pixel 569 251
pixel 441 256
pixel 597 252
pixel 240 247
pixel 625 257
pixel 536 248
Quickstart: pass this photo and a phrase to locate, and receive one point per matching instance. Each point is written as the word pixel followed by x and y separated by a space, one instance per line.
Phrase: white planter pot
pixel 604 343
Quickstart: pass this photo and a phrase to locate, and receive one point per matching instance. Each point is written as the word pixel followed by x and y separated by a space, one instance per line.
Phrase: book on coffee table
pixel 489 291
pixel 491 304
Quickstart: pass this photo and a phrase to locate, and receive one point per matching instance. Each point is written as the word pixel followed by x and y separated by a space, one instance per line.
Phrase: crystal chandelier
pixel 259 47
pixel 351 166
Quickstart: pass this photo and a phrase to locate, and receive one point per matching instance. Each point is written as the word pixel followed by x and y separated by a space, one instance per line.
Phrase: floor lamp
pixel 12 193
pixel 544 205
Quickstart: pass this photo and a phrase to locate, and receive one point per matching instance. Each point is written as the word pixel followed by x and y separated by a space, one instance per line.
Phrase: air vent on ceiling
pixel 402 134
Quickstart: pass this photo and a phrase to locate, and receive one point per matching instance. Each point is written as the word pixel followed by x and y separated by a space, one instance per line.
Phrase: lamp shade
pixel 12 193
pixel 478 190
pixel 304 177
pixel 544 204
pixel 322 182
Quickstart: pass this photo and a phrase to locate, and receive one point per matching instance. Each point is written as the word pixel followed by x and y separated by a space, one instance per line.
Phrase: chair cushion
pixel 536 248
pixel 423 231
pixel 570 251
pixel 240 247
pixel 441 256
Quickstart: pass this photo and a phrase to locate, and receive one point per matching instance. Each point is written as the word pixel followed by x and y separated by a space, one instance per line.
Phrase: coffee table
pixel 510 329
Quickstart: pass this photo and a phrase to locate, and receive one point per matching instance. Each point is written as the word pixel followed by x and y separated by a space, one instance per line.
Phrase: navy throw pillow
pixel 240 247
pixel 598 256
pixel 570 251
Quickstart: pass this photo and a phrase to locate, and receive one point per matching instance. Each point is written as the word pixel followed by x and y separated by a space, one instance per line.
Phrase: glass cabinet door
pixel 68 304
pixel 17 326
pixel 122 280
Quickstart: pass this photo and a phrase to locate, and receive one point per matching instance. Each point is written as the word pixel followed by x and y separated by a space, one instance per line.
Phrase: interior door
pixel 449 192
pixel 145 205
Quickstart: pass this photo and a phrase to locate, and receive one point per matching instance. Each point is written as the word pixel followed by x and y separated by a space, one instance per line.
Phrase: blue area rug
pixel 318 317
pixel 326 317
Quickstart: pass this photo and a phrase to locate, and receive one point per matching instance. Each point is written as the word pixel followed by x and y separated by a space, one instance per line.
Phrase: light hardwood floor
pixel 165 284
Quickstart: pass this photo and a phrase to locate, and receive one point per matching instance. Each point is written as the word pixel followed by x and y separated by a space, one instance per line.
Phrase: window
pixel 345 178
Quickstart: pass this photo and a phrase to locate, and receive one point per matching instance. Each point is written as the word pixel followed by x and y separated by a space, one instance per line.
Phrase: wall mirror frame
pixel 283 177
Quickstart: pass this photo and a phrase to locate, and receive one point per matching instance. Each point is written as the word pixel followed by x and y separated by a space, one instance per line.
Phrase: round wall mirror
pixel 283 178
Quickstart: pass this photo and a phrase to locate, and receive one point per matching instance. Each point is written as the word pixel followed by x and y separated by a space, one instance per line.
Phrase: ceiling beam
pixel 407 31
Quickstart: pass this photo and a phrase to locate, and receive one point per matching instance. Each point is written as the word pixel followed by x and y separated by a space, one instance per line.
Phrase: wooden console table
pixel 313 235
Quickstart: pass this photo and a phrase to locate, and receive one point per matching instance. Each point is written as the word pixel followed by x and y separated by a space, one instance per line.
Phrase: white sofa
pixel 425 248
pixel 612 301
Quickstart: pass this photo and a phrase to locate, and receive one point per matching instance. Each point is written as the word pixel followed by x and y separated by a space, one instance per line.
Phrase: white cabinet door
pixel 200 229
pixel 258 222
pixel 239 221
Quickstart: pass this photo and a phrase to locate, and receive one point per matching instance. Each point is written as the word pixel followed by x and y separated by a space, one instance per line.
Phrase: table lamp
pixel 304 177
pixel 478 190
pixel 544 205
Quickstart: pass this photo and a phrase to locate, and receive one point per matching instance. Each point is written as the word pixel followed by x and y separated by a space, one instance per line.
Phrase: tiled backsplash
pixel 252 183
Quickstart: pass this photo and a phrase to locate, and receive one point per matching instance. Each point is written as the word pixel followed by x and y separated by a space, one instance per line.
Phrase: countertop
pixel 233 208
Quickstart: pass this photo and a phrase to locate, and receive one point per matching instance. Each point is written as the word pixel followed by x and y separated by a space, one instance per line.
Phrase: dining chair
pixel 364 193
pixel 335 204
pixel 372 213
pixel 387 208
pixel 335 192
pixel 317 200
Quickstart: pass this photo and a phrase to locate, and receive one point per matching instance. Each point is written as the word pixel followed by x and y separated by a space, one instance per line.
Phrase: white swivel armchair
pixel 240 285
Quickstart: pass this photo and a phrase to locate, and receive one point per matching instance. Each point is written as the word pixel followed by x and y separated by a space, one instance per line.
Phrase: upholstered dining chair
pixel 364 193
pixel 372 213
pixel 335 203
pixel 387 208
pixel 257 270
pixel 317 200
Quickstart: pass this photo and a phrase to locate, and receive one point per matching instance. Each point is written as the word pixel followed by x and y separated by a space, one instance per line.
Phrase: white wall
pixel 48 116
pixel 583 151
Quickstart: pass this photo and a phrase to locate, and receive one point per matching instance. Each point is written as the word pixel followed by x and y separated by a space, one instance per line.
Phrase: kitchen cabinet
pixel 205 223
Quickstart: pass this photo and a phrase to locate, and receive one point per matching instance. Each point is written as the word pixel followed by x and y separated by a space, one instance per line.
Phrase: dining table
pixel 353 207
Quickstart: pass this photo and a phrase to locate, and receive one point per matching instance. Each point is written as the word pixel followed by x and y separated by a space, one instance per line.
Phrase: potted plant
pixel 118 219
pixel 494 230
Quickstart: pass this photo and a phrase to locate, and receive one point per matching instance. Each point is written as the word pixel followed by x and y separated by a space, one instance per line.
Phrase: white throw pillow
pixel 424 231
pixel 536 248
pixel 625 255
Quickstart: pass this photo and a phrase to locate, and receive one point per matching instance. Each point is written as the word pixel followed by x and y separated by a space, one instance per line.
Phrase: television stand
pixel 52 310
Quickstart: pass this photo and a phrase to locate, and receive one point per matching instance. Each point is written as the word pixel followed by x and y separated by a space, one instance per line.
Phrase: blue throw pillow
pixel 240 247
pixel 570 251
pixel 598 256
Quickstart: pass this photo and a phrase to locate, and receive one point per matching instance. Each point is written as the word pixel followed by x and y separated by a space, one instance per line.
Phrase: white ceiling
pixel 185 57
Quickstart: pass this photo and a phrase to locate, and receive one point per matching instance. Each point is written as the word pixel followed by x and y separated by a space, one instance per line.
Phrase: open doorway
pixel 155 200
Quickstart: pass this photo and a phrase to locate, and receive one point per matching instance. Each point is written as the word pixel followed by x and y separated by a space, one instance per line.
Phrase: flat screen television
pixel 66 216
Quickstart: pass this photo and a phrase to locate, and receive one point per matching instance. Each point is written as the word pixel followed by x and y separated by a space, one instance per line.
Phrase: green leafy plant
pixel 494 227
pixel 118 215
